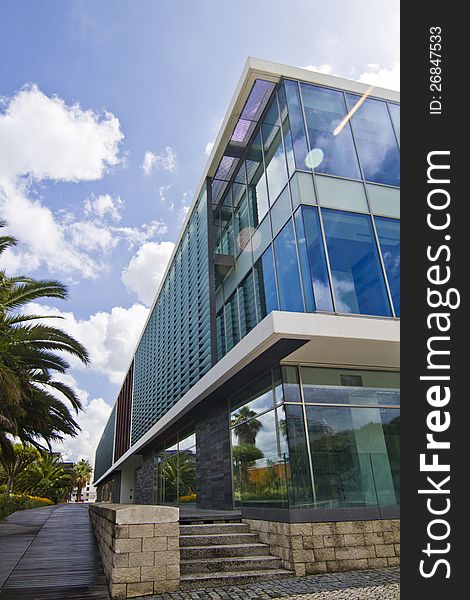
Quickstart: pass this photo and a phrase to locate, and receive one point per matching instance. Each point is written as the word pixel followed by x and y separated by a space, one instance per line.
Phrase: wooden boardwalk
pixel 50 554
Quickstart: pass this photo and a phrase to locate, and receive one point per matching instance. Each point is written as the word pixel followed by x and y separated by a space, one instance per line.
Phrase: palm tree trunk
pixel 79 494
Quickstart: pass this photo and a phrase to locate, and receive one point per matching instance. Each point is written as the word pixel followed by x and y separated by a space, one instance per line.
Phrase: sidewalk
pixel 50 554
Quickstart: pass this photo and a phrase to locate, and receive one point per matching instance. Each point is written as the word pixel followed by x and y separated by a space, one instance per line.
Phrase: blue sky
pixel 107 111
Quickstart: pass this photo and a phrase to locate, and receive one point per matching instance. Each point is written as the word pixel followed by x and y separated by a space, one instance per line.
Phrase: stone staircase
pixel 224 553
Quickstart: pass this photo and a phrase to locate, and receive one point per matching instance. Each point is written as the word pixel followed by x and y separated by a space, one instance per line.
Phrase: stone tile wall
pixel 213 458
pixel 139 547
pixel 309 548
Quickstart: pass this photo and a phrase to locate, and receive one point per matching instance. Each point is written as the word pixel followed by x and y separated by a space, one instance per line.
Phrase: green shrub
pixel 15 502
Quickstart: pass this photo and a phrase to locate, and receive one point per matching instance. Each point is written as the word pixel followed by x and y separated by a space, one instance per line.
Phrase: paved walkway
pixel 50 554
pixel 376 584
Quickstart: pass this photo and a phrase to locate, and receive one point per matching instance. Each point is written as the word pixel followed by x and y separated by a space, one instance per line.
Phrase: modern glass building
pixel 267 374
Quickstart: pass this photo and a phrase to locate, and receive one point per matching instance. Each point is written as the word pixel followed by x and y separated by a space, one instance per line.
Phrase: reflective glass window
pixel 350 455
pixel 308 219
pixel 286 132
pixel 290 294
pixel 376 143
pixel 265 284
pixel 301 492
pixel 358 280
pixel 242 233
pixel 260 461
pixel 246 300
pixel 304 263
pixel 232 332
pixel 220 328
pixel 395 114
pixel 274 158
pixel 388 231
pixel 331 152
pixel 252 400
pixel 297 127
pixel 256 178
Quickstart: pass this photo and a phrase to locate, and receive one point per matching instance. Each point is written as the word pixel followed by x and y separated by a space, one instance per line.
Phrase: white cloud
pixel 166 161
pixel 109 337
pixel 379 76
pixel 325 68
pixel 92 421
pixel 209 146
pixel 44 138
pixel 146 268
pixel 136 236
pixel 103 205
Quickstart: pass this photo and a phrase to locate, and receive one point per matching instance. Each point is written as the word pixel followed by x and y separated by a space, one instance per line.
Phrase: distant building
pixel 88 493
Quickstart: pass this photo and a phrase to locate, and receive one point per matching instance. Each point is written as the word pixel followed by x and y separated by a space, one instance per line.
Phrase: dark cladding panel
pixel 123 415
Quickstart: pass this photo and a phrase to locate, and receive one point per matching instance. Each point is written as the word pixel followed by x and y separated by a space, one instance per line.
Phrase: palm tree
pixel 30 408
pixel 14 464
pixel 246 426
pixel 45 477
pixel 81 476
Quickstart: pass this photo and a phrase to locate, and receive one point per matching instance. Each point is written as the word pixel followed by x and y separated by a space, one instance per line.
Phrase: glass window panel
pixel 274 159
pixel 246 300
pixel 341 193
pixel 244 262
pixel 265 284
pixel 187 443
pixel 301 493
pixel 297 128
pixel 261 238
pixel 290 378
pixel 260 468
pixel 232 332
pixel 330 153
pixel 358 280
pixel 351 377
pixel 351 466
pixel 384 200
pixel 286 132
pixel 395 114
pixel 281 211
pixel 317 258
pixel 257 190
pixel 302 189
pixel 220 328
pixel 304 263
pixel 252 400
pixel 242 231
pixel 290 294
pixel 388 231
pixel 376 143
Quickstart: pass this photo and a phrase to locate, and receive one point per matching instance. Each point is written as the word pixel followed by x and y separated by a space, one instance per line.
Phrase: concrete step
pixel 221 551
pixel 217 539
pixel 212 528
pixel 226 564
pixel 196 581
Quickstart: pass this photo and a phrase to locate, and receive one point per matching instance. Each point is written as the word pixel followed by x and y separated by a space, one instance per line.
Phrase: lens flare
pixel 314 158
pixel 358 104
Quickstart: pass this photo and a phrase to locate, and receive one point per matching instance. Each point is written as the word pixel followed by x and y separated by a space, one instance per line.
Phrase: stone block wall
pixel 309 548
pixel 139 548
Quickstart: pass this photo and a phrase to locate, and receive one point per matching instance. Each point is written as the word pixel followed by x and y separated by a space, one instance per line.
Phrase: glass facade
pixel 174 478
pixel 308 437
pixel 105 448
pixel 310 204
